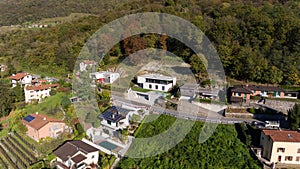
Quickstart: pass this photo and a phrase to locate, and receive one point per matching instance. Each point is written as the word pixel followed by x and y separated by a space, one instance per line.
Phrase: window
pixel 281 150
pixel 163 87
pixel 150 86
pixel 298 158
pixel 237 94
pixel 156 86
pixel 288 158
pixel 298 151
pixel 93 156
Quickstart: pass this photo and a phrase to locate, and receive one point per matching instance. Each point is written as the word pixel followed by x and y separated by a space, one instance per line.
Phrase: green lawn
pixel 50 106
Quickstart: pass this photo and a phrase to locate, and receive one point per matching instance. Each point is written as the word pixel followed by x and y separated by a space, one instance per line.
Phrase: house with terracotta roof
pixel 77 154
pixel 281 146
pixel 40 126
pixel 23 79
pixel 37 93
pixel 240 93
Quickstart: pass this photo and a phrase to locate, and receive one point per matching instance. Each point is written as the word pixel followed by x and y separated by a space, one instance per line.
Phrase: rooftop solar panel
pixel 29 118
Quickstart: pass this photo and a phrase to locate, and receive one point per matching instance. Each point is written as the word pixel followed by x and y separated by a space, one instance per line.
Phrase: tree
pixel 6 98
pixel 18 93
pixel 294 117
pixel 65 102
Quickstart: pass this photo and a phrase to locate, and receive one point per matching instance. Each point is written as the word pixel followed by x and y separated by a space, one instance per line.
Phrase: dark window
pixel 163 87
pixel 298 150
pixel 150 86
pixel 156 86
pixel 288 158
pixel 297 158
pixel 281 150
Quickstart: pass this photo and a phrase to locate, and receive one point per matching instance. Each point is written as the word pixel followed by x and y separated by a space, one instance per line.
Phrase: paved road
pixel 187 112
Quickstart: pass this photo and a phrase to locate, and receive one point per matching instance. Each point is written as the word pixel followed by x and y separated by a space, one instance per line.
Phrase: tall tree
pixel 294 117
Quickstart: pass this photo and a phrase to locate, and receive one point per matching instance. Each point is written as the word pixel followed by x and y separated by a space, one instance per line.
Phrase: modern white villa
pixel 156 82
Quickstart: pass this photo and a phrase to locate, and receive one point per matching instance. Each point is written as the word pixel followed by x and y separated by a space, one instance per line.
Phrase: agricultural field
pixel 16 152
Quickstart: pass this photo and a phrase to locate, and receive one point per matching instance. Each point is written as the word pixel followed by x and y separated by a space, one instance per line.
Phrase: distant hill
pixel 20 11
pixel 256 41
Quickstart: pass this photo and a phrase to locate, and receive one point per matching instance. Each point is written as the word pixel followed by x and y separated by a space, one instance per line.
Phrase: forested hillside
pixel 257 41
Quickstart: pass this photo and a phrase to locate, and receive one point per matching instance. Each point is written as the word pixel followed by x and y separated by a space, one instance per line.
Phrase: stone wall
pixel 279 105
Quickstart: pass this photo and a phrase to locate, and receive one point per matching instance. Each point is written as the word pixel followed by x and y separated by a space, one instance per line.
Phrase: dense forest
pixel 257 41
pixel 222 150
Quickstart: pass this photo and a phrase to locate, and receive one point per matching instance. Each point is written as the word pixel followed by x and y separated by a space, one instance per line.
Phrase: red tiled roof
pixel 19 76
pixel 41 87
pixel 40 120
pixel 283 135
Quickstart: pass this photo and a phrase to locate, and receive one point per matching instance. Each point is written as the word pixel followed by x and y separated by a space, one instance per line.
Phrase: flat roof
pixel 157 76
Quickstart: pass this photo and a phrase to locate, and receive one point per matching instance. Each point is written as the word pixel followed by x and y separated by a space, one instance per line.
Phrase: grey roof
pixel 188 90
pixel 241 89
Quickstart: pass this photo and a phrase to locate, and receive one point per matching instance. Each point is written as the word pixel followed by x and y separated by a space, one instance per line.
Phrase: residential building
pixel 105 76
pixel 37 93
pixel 77 154
pixel 266 91
pixel 22 79
pixel 40 126
pixel 240 94
pixel 156 82
pixel 188 91
pixel 85 64
pixel 292 94
pixel 116 117
pixel 281 146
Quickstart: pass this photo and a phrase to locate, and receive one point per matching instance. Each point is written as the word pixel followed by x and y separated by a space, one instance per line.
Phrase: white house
pixel 77 154
pixel 280 146
pixel 23 79
pixel 156 82
pixel 86 63
pixel 37 93
pixel 116 118
pixel 105 76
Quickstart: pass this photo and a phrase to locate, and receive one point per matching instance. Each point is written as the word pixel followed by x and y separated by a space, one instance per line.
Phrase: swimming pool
pixel 108 145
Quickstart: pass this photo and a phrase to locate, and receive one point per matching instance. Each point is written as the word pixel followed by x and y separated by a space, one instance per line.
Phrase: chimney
pixel 36 113
pixel 44 119
pixel 247 84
